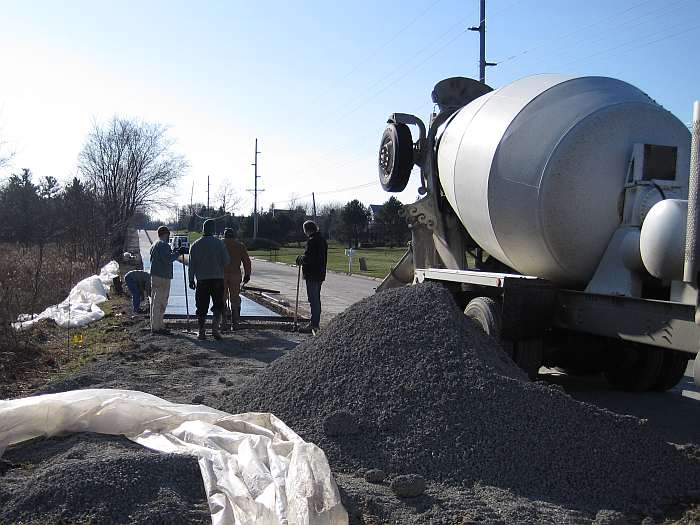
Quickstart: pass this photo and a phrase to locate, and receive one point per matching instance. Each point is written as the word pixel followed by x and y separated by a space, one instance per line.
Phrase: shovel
pixel 296 306
pixel 187 306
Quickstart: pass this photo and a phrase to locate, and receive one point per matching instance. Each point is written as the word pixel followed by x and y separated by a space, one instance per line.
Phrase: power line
pixel 541 43
pixel 366 99
pixel 358 187
pixel 375 95
pixel 328 192
pixel 634 41
pixel 382 46
pixel 627 24
pixel 406 62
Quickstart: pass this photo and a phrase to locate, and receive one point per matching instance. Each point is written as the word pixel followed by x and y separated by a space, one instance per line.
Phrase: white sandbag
pixel 80 307
pixel 255 469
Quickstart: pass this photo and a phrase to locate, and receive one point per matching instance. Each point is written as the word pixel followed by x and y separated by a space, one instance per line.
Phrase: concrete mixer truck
pixel 557 210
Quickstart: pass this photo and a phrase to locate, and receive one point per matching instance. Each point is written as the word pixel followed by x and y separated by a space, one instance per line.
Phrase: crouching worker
pixel 139 284
pixel 208 256
pixel 238 254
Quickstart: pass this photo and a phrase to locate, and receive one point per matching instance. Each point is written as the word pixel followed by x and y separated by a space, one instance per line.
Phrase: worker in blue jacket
pixel 162 258
pixel 139 284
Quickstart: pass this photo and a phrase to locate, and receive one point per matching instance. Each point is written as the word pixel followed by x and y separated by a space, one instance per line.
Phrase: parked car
pixel 180 241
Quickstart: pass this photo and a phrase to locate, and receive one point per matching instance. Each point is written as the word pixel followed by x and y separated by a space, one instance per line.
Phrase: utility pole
pixel 207 194
pixel 313 201
pixel 255 191
pixel 481 29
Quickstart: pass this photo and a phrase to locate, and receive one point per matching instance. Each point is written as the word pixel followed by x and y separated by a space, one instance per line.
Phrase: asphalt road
pixel 337 293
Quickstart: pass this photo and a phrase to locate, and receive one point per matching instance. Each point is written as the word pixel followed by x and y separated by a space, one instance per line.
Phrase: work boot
pixel 202 334
pixel 235 316
pixel 215 325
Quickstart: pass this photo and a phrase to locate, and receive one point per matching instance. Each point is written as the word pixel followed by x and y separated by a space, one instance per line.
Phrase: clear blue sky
pixel 313 80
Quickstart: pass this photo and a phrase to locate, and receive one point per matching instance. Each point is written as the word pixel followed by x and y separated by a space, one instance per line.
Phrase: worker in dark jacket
pixel 139 284
pixel 313 266
pixel 208 257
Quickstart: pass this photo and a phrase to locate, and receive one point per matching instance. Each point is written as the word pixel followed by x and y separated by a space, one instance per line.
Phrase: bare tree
pixel 295 203
pixel 228 197
pixel 129 164
pixel 5 156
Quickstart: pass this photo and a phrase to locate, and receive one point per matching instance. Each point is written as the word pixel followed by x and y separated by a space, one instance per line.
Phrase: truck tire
pixel 528 354
pixel 395 157
pixel 582 356
pixel 672 370
pixel 634 368
pixel 487 313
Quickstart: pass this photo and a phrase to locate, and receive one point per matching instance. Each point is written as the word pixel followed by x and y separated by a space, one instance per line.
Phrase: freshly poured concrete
pixel 176 303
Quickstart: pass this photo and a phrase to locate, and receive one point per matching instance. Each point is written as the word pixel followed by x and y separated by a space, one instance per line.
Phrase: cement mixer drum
pixel 536 170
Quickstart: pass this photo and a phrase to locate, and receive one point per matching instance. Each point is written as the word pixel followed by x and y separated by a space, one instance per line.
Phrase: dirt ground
pixel 124 354
pixel 120 352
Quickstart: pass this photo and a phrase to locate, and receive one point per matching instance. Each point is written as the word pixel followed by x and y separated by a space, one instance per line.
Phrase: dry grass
pixel 32 278
pixel 53 353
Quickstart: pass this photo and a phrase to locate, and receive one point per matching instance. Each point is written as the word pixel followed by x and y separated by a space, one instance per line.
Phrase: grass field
pixel 380 261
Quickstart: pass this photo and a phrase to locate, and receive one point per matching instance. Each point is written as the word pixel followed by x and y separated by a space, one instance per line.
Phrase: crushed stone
pixel 340 423
pixel 90 478
pixel 375 475
pixel 408 485
pixel 435 396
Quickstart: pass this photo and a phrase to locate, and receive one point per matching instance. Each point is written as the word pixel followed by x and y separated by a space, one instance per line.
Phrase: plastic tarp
pixel 80 307
pixel 255 469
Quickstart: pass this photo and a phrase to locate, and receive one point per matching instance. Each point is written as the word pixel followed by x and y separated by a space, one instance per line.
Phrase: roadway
pixel 338 292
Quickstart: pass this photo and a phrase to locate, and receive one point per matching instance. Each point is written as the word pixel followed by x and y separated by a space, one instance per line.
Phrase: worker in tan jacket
pixel 232 275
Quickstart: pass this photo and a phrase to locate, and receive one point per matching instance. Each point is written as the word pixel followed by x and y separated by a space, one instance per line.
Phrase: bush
pixel 261 243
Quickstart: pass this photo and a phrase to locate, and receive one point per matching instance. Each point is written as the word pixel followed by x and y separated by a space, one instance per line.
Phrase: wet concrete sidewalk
pixel 181 298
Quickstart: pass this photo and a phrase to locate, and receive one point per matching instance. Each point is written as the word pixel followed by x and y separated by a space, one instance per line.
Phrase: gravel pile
pixel 89 478
pixel 434 396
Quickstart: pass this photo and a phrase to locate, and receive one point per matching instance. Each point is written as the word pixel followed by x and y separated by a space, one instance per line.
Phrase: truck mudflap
pixel 662 324
pixel 528 303
pixel 528 308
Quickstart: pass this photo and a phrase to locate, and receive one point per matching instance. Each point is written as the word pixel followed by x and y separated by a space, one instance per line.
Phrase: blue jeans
pixel 313 292
pixel 135 294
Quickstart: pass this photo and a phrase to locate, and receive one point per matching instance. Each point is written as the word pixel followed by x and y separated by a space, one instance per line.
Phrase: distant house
pixel 373 212
pixel 280 211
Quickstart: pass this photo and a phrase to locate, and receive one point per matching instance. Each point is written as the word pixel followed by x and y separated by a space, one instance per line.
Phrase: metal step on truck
pixel 563 213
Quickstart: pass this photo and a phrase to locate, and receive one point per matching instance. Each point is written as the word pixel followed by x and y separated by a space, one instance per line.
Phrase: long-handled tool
pixel 296 306
pixel 187 305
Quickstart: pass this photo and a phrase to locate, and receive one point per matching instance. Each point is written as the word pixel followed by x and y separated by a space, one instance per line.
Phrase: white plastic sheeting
pixel 80 307
pixel 256 470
